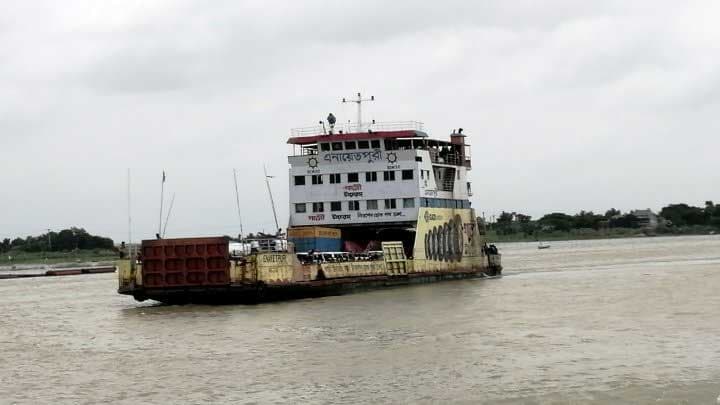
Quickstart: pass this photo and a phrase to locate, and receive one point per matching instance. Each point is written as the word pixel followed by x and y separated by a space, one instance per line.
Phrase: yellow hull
pixel 448 245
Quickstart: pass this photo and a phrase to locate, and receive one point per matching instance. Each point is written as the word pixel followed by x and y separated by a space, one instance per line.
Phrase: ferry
pixel 371 205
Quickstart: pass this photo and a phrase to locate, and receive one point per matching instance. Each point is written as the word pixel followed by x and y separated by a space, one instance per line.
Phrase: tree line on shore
pixel 65 240
pixel 671 218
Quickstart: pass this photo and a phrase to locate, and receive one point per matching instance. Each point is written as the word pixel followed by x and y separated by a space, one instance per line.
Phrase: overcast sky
pixel 568 104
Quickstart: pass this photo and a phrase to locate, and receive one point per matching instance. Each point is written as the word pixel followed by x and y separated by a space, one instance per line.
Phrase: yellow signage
pixel 446 235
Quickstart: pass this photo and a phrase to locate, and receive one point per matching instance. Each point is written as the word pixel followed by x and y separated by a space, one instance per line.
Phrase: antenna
pixel 267 182
pixel 359 102
pixel 172 201
pixel 237 201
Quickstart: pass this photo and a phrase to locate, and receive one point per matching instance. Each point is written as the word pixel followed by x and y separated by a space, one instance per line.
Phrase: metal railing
pixel 354 127
pixel 445 158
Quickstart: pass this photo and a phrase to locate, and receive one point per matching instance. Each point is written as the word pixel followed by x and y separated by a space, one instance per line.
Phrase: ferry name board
pixel 344 157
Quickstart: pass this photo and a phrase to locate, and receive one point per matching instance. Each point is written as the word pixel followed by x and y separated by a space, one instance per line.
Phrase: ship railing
pixel 445 158
pixel 354 128
pixel 259 245
pixel 447 185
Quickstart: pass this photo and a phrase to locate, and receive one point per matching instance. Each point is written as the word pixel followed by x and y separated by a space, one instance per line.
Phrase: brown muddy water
pixel 604 322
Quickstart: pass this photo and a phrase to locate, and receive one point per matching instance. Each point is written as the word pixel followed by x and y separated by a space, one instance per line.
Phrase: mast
pixel 129 245
pixel 272 202
pixel 237 201
pixel 172 201
pixel 162 194
pixel 359 102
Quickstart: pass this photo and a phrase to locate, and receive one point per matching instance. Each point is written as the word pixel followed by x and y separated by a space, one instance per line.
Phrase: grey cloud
pixel 594 96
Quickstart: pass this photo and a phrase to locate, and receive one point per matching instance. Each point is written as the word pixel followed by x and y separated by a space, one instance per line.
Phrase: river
pixel 603 322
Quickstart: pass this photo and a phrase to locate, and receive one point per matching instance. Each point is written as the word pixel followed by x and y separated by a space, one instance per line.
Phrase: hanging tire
pixel 260 293
pixel 459 242
pixel 433 244
pixel 452 236
pixel 445 244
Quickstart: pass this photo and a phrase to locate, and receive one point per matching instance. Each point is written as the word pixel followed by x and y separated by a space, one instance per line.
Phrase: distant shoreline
pixel 55 259
pixel 558 237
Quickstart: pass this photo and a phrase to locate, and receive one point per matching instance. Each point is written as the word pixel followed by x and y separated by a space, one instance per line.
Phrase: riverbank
pixel 591 234
pixel 20 258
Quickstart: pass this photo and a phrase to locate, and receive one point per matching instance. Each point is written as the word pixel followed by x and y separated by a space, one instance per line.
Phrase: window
pixel 372 204
pixel 389 175
pixel 418 158
pixel 371 176
pixel 317 179
pixel 335 206
pixel 363 145
pixel 375 144
pixel 300 208
pixel 350 145
pixel 390 204
pixel 353 178
pixel 299 180
pixel 325 146
pixel 408 203
pixel 407 174
pixel 422 174
pixel 318 207
pixel 425 202
pixel 334 178
pixel 354 205
pixel 337 146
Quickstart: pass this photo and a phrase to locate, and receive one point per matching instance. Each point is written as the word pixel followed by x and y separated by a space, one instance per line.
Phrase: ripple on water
pixel 595 321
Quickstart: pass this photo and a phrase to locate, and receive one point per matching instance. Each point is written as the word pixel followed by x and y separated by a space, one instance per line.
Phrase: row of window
pixel 350 145
pixel 388 204
pixel 334 178
pixel 390 144
pixel 443 203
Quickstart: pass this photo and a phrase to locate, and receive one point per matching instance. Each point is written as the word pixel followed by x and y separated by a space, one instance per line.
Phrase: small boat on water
pixel 543 245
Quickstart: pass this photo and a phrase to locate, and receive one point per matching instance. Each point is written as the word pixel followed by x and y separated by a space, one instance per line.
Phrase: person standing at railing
pixel 443 154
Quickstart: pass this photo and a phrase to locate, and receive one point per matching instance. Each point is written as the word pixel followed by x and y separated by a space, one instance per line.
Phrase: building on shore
pixel 646 218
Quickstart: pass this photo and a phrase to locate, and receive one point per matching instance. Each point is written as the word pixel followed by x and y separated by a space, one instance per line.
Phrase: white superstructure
pixel 379 177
